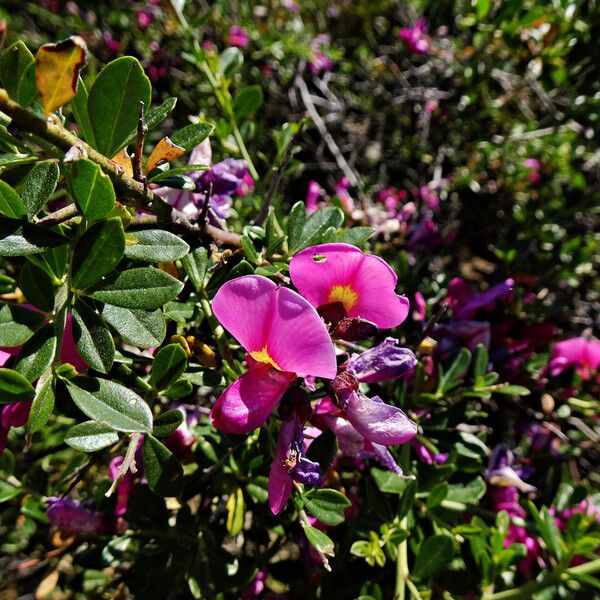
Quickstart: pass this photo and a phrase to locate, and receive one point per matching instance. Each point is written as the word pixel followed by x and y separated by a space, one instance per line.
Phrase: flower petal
pixel 375 283
pixel 298 340
pixel 280 481
pixel 244 306
pixel 249 400
pixel 317 269
pixel 380 423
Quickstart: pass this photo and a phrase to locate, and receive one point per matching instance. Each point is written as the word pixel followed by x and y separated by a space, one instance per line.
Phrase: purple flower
pixel 381 363
pixel 238 37
pixel 466 303
pixel 319 61
pixel 415 37
pixel 290 463
pixel 425 455
pixel 462 333
pixel 500 471
pixel 72 517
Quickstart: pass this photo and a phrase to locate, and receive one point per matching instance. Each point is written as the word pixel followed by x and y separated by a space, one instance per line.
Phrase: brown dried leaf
pixel 57 68
pixel 124 161
pixel 164 150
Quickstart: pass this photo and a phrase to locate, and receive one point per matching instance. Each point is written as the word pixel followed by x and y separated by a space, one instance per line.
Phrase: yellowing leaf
pixel 164 150
pixel 57 67
pixel 124 161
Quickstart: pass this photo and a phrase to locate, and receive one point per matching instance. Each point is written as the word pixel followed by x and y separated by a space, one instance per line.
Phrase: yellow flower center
pixel 264 357
pixel 344 294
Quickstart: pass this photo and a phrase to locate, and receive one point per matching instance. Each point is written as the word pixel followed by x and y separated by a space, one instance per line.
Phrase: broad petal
pixel 317 269
pixel 201 154
pixel 280 481
pixel 298 340
pixel 249 400
pixel 378 422
pixel 244 306
pixel 375 283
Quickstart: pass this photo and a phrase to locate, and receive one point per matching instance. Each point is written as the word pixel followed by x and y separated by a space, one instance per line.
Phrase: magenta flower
pixel 315 191
pixel 420 310
pixel 285 338
pixel 415 37
pixel 578 353
pixel 361 285
pixel 319 61
pixel 144 18
pixel 72 517
pixel 238 37
pixel 425 455
pixel 341 191
pixel 534 165
pixel 12 415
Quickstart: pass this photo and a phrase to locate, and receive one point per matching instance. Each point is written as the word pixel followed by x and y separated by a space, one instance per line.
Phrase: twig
pixel 276 180
pixel 136 163
pixel 58 216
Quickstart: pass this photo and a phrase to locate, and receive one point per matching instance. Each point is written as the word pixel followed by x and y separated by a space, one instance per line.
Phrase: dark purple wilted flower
pixel 72 517
pixel 228 178
pixel 456 334
pixel 465 303
pixel 415 37
pixel 290 463
pixel 383 362
pixel 238 37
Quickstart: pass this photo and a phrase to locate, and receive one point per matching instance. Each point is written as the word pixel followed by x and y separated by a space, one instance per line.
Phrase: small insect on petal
pixel 57 68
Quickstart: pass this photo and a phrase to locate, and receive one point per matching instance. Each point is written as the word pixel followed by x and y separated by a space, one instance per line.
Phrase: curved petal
pixel 380 423
pixel 317 269
pixel 249 400
pixel 244 306
pixel 298 340
pixel 280 481
pixel 377 301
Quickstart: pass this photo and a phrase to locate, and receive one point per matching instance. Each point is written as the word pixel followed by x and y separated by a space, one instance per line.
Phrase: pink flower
pixel 419 312
pixel 341 191
pixel 285 338
pixel 112 45
pixel 238 37
pixel 341 275
pixel 319 61
pixel 415 37
pixel 315 191
pixel 534 165
pixel 579 353
pixel 144 18
pixel 12 415
pixel 72 517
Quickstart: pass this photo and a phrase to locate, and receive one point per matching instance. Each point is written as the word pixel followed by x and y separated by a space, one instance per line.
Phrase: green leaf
pixel 326 505
pixel 19 238
pixel 42 405
pixel 192 135
pixel 10 202
pixel 163 470
pixel 469 493
pixel 168 366
pixel 323 449
pixel 236 508
pixel 91 189
pixel 8 491
pixel 389 482
pixel 167 423
pixel 39 186
pixel 97 253
pixel 512 390
pixel 17 324
pixel 80 112
pixel 153 117
pixel 318 540
pixel 437 494
pixel 480 361
pixel 230 61
pixel 179 389
pixel 154 245
pixel 141 328
pixel 357 236
pixel 434 555
pixel 317 225
pixel 91 436
pixel 249 250
pixel 17 72
pixel 247 101
pixel 143 288
pixel 37 286
pixel 111 403
pixel 14 387
pixel 92 338
pixel 549 531
pixel 296 223
pixel 196 264
pixel 37 353
pixel 456 370
pixel 114 102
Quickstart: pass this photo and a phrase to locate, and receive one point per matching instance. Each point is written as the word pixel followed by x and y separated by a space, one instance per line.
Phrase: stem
pixel 242 146
pixel 402 572
pixel 525 591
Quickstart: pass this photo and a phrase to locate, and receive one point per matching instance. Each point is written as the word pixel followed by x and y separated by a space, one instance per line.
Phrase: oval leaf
pixel 14 387
pixel 39 186
pixel 167 423
pixel 42 406
pixel 111 403
pixel 168 366
pixel 20 238
pixel 10 202
pixel 92 338
pixel 37 353
pixel 37 286
pixel 163 470
pixel 155 245
pixel 17 72
pixel 91 189
pixel 327 505
pixel 141 328
pixel 435 554
pixel 91 436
